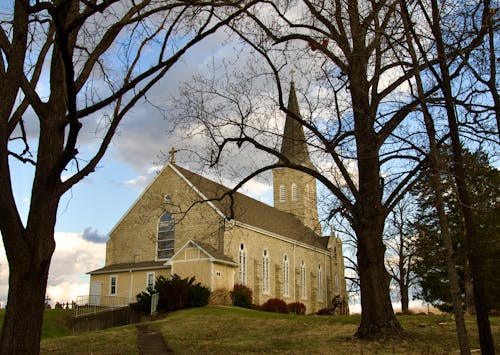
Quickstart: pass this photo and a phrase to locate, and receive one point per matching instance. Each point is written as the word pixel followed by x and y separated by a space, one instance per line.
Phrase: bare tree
pixel 97 59
pixel 443 74
pixel 400 249
pixel 354 55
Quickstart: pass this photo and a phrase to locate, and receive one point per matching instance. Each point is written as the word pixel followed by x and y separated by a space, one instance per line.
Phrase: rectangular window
pixel 242 272
pixel 150 279
pixel 286 277
pixel 113 281
pixel 320 283
pixel 265 272
pixel 303 281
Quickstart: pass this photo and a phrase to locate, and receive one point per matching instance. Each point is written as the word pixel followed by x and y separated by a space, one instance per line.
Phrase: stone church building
pixel 186 224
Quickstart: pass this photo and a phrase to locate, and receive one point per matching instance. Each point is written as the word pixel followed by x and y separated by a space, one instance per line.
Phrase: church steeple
pixel 294 145
pixel 295 191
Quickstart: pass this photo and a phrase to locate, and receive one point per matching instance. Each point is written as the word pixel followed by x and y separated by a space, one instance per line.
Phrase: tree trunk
pixel 377 315
pixel 403 290
pixel 24 313
pixel 470 307
pixel 483 322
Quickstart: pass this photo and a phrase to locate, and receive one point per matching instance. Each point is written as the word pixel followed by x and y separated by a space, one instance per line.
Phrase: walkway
pixel 150 342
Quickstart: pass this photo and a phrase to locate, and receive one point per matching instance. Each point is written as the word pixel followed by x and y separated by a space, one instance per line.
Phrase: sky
pixel 89 211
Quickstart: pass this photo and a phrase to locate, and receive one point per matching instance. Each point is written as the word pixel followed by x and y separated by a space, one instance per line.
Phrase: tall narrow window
pixel 303 280
pixel 336 284
pixel 295 192
pixel 242 272
pixel 113 284
pixel 150 279
pixel 166 236
pixel 286 277
pixel 282 193
pixel 320 283
pixel 265 271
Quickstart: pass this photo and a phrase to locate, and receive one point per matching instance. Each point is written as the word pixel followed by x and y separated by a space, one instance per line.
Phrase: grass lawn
pixel 54 324
pixel 227 330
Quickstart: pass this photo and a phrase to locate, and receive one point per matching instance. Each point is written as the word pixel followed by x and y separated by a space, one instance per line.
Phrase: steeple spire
pixel 294 190
pixel 294 145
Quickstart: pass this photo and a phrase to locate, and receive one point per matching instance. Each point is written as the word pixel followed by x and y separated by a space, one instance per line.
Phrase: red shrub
pixel 241 296
pixel 275 305
pixel 297 308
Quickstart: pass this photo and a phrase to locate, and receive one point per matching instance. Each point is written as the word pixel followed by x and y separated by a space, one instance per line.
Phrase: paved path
pixel 150 342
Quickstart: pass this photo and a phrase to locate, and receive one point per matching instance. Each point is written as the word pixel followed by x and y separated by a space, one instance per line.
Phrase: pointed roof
pixel 252 212
pixel 294 145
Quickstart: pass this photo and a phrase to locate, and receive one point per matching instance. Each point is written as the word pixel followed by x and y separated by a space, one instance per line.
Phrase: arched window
pixel 242 272
pixel 320 283
pixel 282 193
pixel 286 276
pixel 265 271
pixel 295 192
pixel 166 236
pixel 303 280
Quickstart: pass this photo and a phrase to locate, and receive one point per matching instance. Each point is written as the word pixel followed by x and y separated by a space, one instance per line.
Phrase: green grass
pixel 54 322
pixel 228 330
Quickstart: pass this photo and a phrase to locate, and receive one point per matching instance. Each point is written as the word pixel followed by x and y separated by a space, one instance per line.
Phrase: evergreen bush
pixel 241 296
pixel 175 293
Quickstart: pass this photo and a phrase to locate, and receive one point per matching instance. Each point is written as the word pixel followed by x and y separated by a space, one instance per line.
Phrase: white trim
pixel 110 285
pixel 147 278
pixel 138 199
pixel 164 266
pixel 266 282
pixel 211 258
pixel 280 237
pixel 195 189
pixel 168 165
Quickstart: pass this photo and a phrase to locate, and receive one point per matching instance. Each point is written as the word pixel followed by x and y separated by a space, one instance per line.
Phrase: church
pixel 186 224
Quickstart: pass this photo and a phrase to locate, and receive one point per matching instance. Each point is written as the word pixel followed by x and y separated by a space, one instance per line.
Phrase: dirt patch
pixel 150 342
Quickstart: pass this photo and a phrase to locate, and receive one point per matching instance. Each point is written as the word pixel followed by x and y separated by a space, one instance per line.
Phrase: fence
pixel 154 302
pixel 98 303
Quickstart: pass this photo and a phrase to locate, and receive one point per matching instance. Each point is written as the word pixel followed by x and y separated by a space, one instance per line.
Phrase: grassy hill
pixel 227 330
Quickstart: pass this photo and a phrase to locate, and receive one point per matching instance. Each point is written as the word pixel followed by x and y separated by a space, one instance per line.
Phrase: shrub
pixel 275 305
pixel 325 312
pixel 175 293
pixel 198 295
pixel 297 308
pixel 241 296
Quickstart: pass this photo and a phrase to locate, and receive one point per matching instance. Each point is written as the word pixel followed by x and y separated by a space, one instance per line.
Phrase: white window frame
pixel 165 224
pixel 242 271
pixel 282 193
pixel 265 272
pixel 320 283
pixel 286 276
pixel 111 278
pixel 303 280
pixel 295 192
pixel 147 279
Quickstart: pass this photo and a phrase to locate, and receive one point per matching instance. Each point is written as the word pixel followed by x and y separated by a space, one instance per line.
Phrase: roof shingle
pixel 254 213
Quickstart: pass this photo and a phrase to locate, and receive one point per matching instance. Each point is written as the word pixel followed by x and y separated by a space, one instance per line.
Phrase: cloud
pixel 73 258
pixel 92 235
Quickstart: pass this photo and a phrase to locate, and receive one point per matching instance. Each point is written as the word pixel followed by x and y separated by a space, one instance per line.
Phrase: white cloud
pixel 72 259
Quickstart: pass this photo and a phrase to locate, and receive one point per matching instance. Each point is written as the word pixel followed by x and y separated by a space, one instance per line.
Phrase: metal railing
pixel 98 303
pixel 155 297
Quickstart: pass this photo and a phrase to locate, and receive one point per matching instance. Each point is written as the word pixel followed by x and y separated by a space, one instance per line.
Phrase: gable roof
pixel 212 253
pixel 252 212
